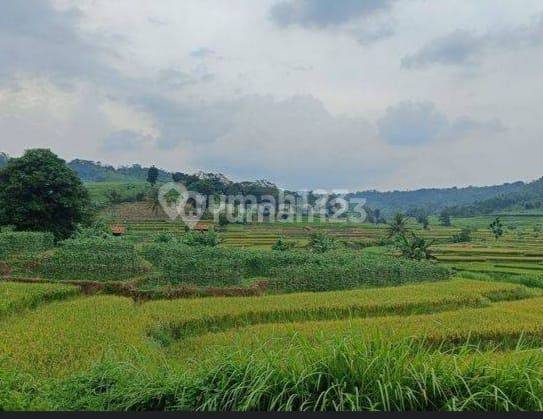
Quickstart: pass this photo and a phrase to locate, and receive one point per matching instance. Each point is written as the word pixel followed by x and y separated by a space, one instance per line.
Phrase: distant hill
pixel 526 197
pixel 469 201
pixel 434 200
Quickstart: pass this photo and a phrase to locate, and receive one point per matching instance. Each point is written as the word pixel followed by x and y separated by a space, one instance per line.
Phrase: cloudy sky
pixel 357 94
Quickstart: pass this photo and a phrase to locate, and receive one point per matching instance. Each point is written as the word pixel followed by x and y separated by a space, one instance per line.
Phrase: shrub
pixel 464 236
pixel 283 245
pixel 210 238
pixel 98 230
pixel 12 243
pixel 198 265
pixel 164 238
pixel 223 219
pixel 322 242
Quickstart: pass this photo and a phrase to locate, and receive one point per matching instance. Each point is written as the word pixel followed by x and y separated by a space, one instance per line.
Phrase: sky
pixel 309 94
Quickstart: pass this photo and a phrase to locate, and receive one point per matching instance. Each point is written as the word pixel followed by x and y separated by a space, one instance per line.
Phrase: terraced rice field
pixel 186 340
pixel 460 344
pixel 519 251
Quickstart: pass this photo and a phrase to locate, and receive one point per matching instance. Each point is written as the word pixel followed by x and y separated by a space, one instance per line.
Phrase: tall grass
pixel 290 270
pixel 345 376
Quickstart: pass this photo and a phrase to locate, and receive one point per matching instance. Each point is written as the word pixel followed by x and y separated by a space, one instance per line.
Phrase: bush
pixel 322 242
pixel 217 266
pixel 164 238
pixel 223 220
pixel 464 236
pixel 98 230
pixel 283 245
pixel 13 243
pixel 210 238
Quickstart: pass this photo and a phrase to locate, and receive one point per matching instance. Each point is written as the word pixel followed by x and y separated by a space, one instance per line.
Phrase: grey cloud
pixel 370 34
pixel 466 47
pixel 458 47
pixel 185 122
pixel 464 126
pixel 124 140
pixel 202 52
pixel 175 78
pixel 411 123
pixel 414 124
pixel 324 13
pixel 294 142
pixel 37 39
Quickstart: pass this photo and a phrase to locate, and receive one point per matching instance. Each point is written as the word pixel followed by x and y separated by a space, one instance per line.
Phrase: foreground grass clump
pixel 91 259
pixel 15 297
pixel 289 270
pixel 345 375
pixel 12 243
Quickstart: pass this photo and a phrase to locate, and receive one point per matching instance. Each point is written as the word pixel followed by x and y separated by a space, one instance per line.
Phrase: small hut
pixel 203 228
pixel 118 230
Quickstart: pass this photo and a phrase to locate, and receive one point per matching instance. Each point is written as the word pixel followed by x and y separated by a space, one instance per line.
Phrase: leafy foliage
pixel 283 245
pixel 194 238
pixel 38 192
pixel 397 226
pixel 414 247
pixel 497 228
pixel 321 242
pixel 464 236
pixel 98 230
pixel 91 259
pixel 289 270
pixel 12 243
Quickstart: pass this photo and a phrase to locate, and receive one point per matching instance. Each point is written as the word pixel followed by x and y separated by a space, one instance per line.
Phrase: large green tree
pixel 39 192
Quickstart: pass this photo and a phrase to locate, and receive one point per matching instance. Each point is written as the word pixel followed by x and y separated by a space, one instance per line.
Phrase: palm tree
pixel 398 226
